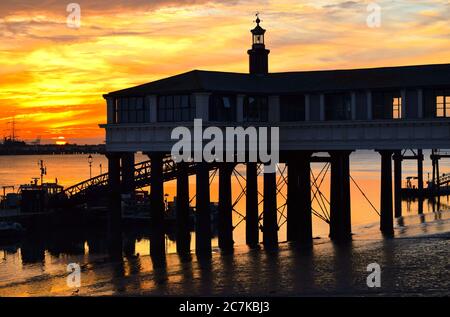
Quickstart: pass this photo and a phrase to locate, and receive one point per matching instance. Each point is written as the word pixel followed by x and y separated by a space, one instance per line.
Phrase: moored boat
pixel 11 229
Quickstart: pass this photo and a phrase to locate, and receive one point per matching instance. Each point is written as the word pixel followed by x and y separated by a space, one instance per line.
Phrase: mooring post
pixel 114 199
pixel 386 216
pixel 398 183
pixel 203 223
pixel 340 209
pixel 225 207
pixel 252 215
pixel 157 205
pixel 270 221
pixel 128 162
pixel 182 209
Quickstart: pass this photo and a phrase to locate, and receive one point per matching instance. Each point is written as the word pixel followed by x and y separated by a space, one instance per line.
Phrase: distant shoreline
pixel 51 149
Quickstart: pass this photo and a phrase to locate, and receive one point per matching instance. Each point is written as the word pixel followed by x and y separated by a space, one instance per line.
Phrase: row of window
pixel 176 108
pixel 443 104
pixel 223 108
pixel 387 105
pixel 131 110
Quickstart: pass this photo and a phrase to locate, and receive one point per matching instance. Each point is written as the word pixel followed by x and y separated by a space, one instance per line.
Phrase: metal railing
pixel 78 193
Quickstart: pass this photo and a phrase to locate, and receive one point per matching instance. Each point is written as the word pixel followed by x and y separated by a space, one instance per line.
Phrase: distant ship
pixel 9 142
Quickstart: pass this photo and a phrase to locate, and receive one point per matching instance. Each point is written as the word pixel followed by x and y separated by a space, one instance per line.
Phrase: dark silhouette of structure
pixel 339 111
pixel 259 55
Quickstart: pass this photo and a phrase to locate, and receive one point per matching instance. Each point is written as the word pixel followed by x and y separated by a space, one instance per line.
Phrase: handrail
pixel 444 179
pixel 142 178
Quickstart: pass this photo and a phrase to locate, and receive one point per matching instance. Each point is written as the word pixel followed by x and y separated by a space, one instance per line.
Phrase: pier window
pixel 256 109
pixel 292 108
pixel 130 110
pixel 222 108
pixel 387 105
pixel 442 104
pixel 175 108
pixel 338 107
pixel 396 107
pixel 436 103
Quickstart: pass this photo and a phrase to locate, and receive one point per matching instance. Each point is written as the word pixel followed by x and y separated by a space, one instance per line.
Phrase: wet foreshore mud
pixel 414 263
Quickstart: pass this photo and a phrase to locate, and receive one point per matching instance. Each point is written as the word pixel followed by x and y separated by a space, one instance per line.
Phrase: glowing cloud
pixel 52 77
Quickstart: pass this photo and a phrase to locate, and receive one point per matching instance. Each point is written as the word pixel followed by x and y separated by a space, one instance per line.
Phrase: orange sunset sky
pixel 52 77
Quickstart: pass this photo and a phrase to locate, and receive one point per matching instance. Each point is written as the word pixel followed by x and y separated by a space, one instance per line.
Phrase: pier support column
pixel 157 205
pixel 293 190
pixel 435 162
pixel 270 221
pixel 182 209
pixel 304 209
pixel 340 210
pixel 114 199
pixel 420 179
pixel 225 207
pixel 252 215
pixel 299 218
pixel 386 217
pixel 420 171
pixel 398 183
pixel 203 225
pixel 114 233
pixel 128 162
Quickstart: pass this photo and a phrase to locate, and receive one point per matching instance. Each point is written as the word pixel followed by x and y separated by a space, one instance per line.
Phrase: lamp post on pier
pixel 90 161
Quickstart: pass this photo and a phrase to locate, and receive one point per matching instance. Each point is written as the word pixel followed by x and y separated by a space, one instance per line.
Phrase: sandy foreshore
pixel 415 263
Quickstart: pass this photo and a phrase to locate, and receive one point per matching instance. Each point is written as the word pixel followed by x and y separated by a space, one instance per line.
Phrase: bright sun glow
pixel 60 141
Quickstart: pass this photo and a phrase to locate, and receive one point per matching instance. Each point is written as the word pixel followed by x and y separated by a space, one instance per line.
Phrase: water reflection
pixel 113 263
pixel 343 266
pixel 119 242
pixel 32 250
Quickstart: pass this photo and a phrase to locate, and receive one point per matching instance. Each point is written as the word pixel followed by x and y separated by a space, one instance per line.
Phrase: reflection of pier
pixel 336 112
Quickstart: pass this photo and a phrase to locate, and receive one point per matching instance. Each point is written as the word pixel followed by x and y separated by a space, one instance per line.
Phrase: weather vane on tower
pixel 258 20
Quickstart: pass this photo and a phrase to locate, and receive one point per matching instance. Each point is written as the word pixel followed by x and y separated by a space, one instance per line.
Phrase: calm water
pixel 30 266
pixel 365 169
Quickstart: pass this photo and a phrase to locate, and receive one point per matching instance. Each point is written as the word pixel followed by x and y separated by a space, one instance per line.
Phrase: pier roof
pixel 422 76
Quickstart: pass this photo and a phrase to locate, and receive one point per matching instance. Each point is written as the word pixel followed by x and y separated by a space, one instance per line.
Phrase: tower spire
pixel 259 55
pixel 258 21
